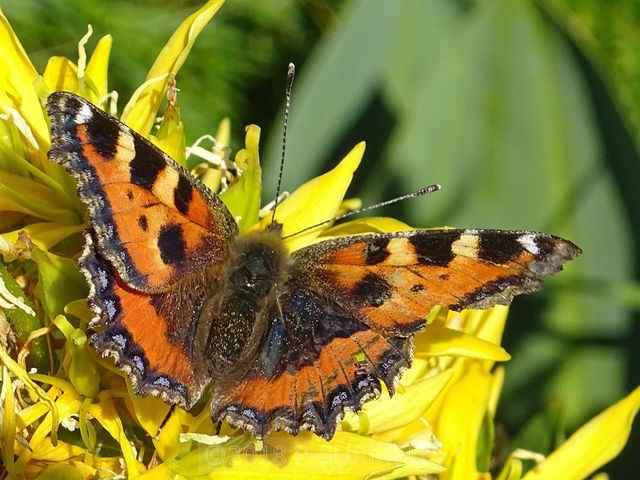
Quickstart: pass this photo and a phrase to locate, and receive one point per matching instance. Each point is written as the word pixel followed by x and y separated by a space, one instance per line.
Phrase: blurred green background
pixel 527 112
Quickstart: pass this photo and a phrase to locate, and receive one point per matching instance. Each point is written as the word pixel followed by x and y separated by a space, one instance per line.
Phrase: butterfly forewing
pixel 391 281
pixel 154 222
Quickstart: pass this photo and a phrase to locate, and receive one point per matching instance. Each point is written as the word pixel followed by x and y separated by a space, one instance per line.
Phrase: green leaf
pixel 485 443
pixel 324 103
pixel 545 431
pixel 59 280
pixel 22 194
pixel 24 323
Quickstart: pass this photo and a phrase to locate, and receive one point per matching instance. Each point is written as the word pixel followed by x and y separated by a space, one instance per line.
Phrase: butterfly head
pixel 275 227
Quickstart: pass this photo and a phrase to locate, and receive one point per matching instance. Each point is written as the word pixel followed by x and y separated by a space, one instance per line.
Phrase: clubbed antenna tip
pixel 291 73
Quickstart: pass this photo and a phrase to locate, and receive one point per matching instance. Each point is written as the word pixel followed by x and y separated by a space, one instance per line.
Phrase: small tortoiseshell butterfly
pixel 187 301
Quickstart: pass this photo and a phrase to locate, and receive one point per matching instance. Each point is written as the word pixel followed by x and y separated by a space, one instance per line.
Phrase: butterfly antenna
pixel 291 73
pixel 419 193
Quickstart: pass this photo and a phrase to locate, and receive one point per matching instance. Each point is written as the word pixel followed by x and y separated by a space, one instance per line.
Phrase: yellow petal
pixel 141 110
pixel 408 404
pixel 199 462
pixel 243 197
pixel 212 177
pixel 61 74
pixel 496 389
pixel 13 150
pixel 173 145
pixel 315 201
pixel 438 340
pixel 30 414
pixel 19 372
pixel 170 136
pixel 457 417
pixel 169 445
pixel 593 445
pixel 104 412
pixel 417 467
pixel 44 234
pixel 600 476
pixel 512 470
pixel 487 324
pixel 21 194
pixel 417 371
pixel 17 75
pixel 60 472
pixel 8 421
pixel 366 225
pixel 349 205
pixel 151 412
pixel 45 451
pixel 16 157
pixel 96 72
pixel 346 456
pixel 418 432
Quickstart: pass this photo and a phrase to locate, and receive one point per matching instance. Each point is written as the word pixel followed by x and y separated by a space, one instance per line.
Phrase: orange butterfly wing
pixel 153 221
pixel 149 335
pixel 157 239
pixel 307 372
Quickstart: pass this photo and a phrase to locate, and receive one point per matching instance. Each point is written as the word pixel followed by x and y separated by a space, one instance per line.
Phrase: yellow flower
pixel 76 416
pixel 593 445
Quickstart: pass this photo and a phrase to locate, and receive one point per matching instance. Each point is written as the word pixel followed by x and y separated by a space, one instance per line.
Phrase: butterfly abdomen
pixel 257 263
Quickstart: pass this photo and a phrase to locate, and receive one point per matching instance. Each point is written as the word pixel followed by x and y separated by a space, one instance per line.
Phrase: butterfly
pixel 287 340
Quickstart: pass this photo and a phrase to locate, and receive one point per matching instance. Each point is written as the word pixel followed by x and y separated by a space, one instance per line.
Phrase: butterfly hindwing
pixel 154 222
pixel 316 361
pixel 149 335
